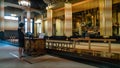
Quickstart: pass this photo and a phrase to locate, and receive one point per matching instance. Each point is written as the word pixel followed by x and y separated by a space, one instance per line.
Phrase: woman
pixel 21 39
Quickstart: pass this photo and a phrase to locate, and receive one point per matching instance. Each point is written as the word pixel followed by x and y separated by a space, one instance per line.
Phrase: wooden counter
pixel 34 46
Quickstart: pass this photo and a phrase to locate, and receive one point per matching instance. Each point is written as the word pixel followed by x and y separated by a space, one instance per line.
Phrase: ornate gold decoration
pixel 53 1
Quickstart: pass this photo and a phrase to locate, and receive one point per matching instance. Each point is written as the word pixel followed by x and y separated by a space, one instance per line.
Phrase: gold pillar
pixel 35 27
pixel 68 20
pixel 119 23
pixel 49 21
pixel 42 24
pixel 105 7
pixel 28 19
pixel 1 15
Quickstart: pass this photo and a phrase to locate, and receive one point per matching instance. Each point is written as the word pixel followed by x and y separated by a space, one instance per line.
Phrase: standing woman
pixel 21 39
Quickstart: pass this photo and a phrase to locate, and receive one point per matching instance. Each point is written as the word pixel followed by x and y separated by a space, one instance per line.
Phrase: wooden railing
pixel 89 41
pixel 60 45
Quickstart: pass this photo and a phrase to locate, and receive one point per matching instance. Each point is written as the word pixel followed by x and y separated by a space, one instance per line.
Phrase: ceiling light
pixel 50 6
pixel 13 15
pixel 24 2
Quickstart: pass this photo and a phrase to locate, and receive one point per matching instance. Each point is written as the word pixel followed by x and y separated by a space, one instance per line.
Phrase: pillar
pixel 35 27
pixel 22 18
pixel 42 24
pixel 68 19
pixel 2 15
pixel 49 21
pixel 28 19
pixel 119 23
pixel 105 7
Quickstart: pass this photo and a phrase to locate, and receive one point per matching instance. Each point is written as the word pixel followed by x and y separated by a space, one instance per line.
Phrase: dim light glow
pixel 13 15
pixel 31 25
pixel 38 21
pixel 10 17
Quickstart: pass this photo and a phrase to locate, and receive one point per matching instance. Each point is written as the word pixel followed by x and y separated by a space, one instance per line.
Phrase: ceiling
pixel 60 3
pixel 38 6
pixel 12 7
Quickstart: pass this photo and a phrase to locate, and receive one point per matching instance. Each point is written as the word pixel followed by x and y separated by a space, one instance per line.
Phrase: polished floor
pixel 9 59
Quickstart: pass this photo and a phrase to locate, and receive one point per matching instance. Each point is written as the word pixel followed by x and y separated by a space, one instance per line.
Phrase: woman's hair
pixel 21 24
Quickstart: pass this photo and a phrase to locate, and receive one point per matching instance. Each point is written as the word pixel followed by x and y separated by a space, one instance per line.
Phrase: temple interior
pixel 61 33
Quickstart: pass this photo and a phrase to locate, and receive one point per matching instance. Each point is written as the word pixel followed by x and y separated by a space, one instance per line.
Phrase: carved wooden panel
pixel 34 47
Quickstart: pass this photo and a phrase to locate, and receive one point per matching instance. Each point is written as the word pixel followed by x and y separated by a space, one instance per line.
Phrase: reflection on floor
pixel 8 60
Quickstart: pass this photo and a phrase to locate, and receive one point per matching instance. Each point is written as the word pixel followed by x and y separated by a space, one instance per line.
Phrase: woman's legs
pixel 20 52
